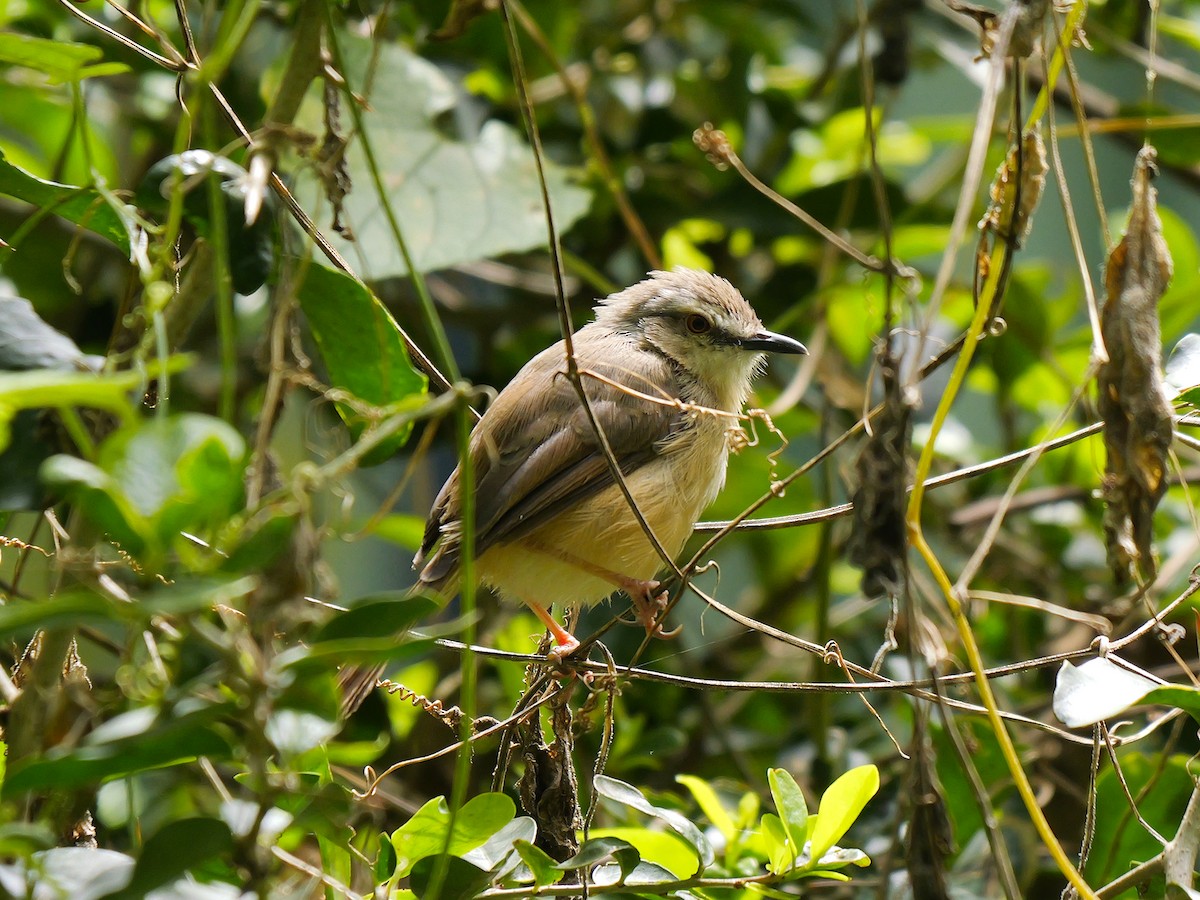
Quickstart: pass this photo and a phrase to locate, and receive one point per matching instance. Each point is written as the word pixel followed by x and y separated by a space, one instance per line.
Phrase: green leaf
pixel 1180 696
pixel 710 804
pixel 385 862
pixel 541 865
pixel 139 742
pixel 840 805
pixel 71 610
pixel 781 855
pixel 663 847
pixel 85 207
pixel 599 849
pixel 425 834
pixel 157 478
pixel 376 631
pixel 497 854
pixel 458 197
pixel 630 796
pixel 250 246
pixel 460 879
pixel 387 614
pixel 789 802
pixel 175 849
pixel 23 838
pixel 75 608
pixel 61 60
pixel 362 348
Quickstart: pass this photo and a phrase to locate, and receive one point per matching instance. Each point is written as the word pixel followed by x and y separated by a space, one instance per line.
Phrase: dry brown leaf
pixel 1133 401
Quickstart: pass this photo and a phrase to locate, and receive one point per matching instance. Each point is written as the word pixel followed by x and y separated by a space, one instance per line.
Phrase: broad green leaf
pixel 541 865
pixel 23 838
pixel 175 849
pixel 781 855
pixel 1095 690
pixel 710 804
pixel 498 853
pixel 630 796
pixel 156 744
pixel 460 879
pixel 664 848
pixel 791 806
pixel 425 834
pixel 79 607
pixel 840 805
pixel 386 614
pixel 71 610
pixel 362 348
pixel 1180 696
pixel 61 60
pixel 83 206
pixel 460 194
pixel 155 479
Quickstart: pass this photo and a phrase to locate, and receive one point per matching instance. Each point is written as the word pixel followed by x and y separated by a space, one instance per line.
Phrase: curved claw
pixel 666 635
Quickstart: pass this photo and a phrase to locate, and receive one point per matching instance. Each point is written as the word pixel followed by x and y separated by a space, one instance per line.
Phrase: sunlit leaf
pixel 460 194
pixel 710 804
pixel 791 806
pixel 541 865
pixel 840 805
pixel 630 796
pixel 428 832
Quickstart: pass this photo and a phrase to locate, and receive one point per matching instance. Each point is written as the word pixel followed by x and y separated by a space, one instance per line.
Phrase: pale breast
pixel 671 492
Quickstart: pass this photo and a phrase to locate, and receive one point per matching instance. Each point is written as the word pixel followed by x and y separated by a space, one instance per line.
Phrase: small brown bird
pixel 666 366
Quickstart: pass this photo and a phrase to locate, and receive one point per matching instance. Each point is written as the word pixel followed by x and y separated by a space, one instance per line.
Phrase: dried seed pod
pixel 1017 189
pixel 879 542
pixel 1133 402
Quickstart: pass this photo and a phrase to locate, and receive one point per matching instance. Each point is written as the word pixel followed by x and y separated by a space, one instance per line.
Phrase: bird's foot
pixel 648 604
pixel 566 645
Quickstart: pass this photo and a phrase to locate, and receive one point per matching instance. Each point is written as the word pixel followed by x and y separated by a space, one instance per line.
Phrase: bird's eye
pixel 697 324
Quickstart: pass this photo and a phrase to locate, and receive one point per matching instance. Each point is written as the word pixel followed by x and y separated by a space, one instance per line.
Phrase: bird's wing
pixel 535 452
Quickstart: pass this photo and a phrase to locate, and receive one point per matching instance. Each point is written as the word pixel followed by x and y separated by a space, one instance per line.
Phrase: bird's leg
pixel 565 642
pixel 647 604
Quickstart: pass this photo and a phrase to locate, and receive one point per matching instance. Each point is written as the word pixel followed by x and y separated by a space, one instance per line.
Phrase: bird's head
pixel 702 323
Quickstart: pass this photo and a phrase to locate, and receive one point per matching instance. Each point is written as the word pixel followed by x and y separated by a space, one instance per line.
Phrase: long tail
pixel 357 682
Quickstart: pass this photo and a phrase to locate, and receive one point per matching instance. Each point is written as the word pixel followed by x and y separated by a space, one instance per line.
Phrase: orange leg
pixel 566 643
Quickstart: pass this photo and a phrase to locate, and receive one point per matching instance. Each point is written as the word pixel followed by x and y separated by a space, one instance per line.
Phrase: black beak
pixel 770 342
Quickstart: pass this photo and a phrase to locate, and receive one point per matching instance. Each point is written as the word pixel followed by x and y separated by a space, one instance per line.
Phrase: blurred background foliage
pixel 258 449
